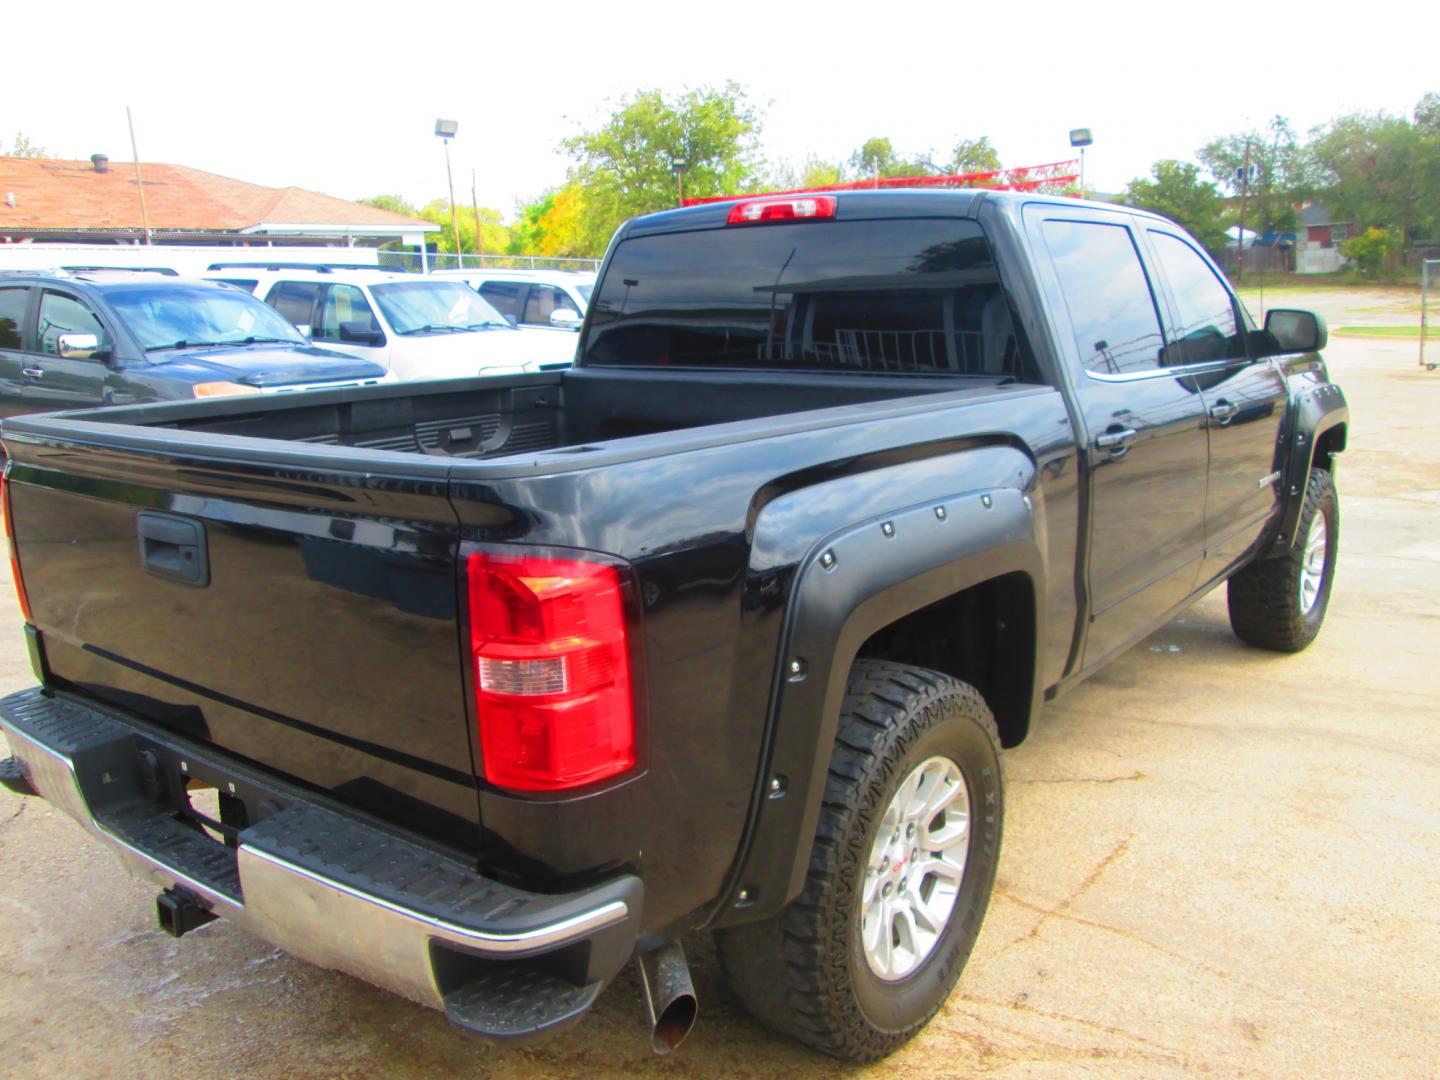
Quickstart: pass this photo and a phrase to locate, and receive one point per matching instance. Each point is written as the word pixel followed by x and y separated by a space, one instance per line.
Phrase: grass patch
pixel 1379 331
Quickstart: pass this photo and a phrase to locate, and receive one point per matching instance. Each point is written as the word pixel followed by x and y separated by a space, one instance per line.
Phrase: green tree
pixel 1382 170
pixel 557 224
pixel 1281 173
pixel 974 155
pixel 494 234
pixel 1427 113
pixel 812 172
pixel 1370 252
pixel 625 166
pixel 24 148
pixel 393 203
pixel 1175 190
pixel 877 158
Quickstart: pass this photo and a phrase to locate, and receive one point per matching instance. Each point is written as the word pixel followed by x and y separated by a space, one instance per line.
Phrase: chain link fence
pixel 412 262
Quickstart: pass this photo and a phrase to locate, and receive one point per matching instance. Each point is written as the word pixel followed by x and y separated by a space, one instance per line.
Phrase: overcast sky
pixel 342 98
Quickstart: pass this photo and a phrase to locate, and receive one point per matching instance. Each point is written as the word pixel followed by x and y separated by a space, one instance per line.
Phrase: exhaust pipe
pixel 669 996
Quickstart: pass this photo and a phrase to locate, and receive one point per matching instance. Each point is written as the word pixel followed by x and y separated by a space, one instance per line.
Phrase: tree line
pixel 655 148
pixel 1377 172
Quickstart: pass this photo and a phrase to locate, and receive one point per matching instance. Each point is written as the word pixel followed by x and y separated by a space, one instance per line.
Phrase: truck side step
pixel 518 1000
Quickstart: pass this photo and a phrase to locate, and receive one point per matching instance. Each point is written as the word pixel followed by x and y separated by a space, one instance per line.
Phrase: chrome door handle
pixel 33 372
pixel 1115 440
pixel 1222 412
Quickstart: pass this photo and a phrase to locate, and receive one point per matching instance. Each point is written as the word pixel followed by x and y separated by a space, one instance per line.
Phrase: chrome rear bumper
pixel 331 888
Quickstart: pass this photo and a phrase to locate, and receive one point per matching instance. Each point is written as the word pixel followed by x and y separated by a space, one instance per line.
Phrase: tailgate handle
pixel 173 547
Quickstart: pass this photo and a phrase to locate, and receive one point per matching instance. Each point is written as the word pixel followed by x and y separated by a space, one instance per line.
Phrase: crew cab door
pixel 51 381
pixel 1244 400
pixel 1144 424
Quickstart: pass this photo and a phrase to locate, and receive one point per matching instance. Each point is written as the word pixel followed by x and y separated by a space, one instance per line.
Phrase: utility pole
pixel 446 129
pixel 475 209
pixel 139 182
pixel 1244 191
pixel 454 219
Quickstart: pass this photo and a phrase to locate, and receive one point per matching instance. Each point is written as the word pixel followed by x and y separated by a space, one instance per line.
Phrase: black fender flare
pixel 1317 409
pixel 850 584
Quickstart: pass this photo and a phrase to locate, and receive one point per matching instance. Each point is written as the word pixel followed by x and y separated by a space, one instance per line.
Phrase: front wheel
pixel 900 874
pixel 1280 603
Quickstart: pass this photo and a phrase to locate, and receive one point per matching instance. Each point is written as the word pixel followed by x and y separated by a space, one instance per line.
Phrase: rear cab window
pixel 917 295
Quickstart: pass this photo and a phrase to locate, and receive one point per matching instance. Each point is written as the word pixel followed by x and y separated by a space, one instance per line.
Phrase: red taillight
pixel 10 542
pixel 753 211
pixel 551 663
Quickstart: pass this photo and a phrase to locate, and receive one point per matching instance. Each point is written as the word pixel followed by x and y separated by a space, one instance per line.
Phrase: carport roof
pixel 50 195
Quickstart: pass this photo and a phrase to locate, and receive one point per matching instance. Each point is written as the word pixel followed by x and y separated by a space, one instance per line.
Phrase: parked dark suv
pixel 72 339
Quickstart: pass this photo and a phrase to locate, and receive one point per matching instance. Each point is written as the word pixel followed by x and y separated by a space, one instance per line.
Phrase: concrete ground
pixel 1216 860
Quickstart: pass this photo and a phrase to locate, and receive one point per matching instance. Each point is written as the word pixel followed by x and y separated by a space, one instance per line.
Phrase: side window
pixel 345 316
pixel 1112 310
pixel 542 301
pixel 13 302
pixel 503 296
pixel 61 314
pixel 1208 329
pixel 294 299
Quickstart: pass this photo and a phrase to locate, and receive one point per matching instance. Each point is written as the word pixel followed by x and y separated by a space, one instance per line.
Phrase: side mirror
pixel 80 347
pixel 1294 330
pixel 513 322
pixel 304 328
pixel 565 319
pixel 360 333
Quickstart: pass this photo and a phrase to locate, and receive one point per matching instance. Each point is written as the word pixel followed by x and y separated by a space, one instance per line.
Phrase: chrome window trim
pixel 1168 372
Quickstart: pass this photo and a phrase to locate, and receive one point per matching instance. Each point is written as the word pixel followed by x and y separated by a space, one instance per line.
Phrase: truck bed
pixel 489 418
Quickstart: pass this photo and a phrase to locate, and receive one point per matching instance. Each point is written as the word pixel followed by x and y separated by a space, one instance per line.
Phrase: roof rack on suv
pixel 318 267
pixel 166 270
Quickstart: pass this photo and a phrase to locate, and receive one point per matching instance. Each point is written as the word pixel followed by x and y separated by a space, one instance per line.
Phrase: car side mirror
pixel 304 328
pixel 360 333
pixel 565 319
pixel 80 347
pixel 513 322
pixel 1295 330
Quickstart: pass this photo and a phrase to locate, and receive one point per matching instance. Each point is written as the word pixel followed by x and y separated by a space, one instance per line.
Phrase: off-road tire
pixel 1264 598
pixel 804 972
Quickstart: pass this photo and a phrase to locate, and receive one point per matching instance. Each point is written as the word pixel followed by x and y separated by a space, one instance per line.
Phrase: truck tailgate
pixel 302 619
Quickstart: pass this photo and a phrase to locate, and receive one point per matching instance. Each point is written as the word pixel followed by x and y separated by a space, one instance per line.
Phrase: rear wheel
pixel 900 874
pixel 1280 603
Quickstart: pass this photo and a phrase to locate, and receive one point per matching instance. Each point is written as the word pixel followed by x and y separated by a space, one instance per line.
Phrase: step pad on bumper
pixel 518 1001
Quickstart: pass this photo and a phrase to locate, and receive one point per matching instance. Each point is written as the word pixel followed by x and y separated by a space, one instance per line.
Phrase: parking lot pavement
pixel 1216 860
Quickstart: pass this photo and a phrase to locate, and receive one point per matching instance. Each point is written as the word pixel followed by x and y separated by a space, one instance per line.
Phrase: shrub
pixel 1369 252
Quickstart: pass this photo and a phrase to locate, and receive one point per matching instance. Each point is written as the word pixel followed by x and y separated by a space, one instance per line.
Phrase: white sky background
pixel 342 98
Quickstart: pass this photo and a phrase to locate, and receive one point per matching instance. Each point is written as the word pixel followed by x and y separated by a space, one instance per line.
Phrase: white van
pixel 416 327
pixel 548 299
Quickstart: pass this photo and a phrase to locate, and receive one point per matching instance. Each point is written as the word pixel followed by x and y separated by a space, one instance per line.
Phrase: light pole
pixel 446 130
pixel 1081 137
pixel 677 166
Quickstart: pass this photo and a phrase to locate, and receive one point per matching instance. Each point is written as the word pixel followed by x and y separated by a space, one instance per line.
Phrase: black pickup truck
pixel 481 689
